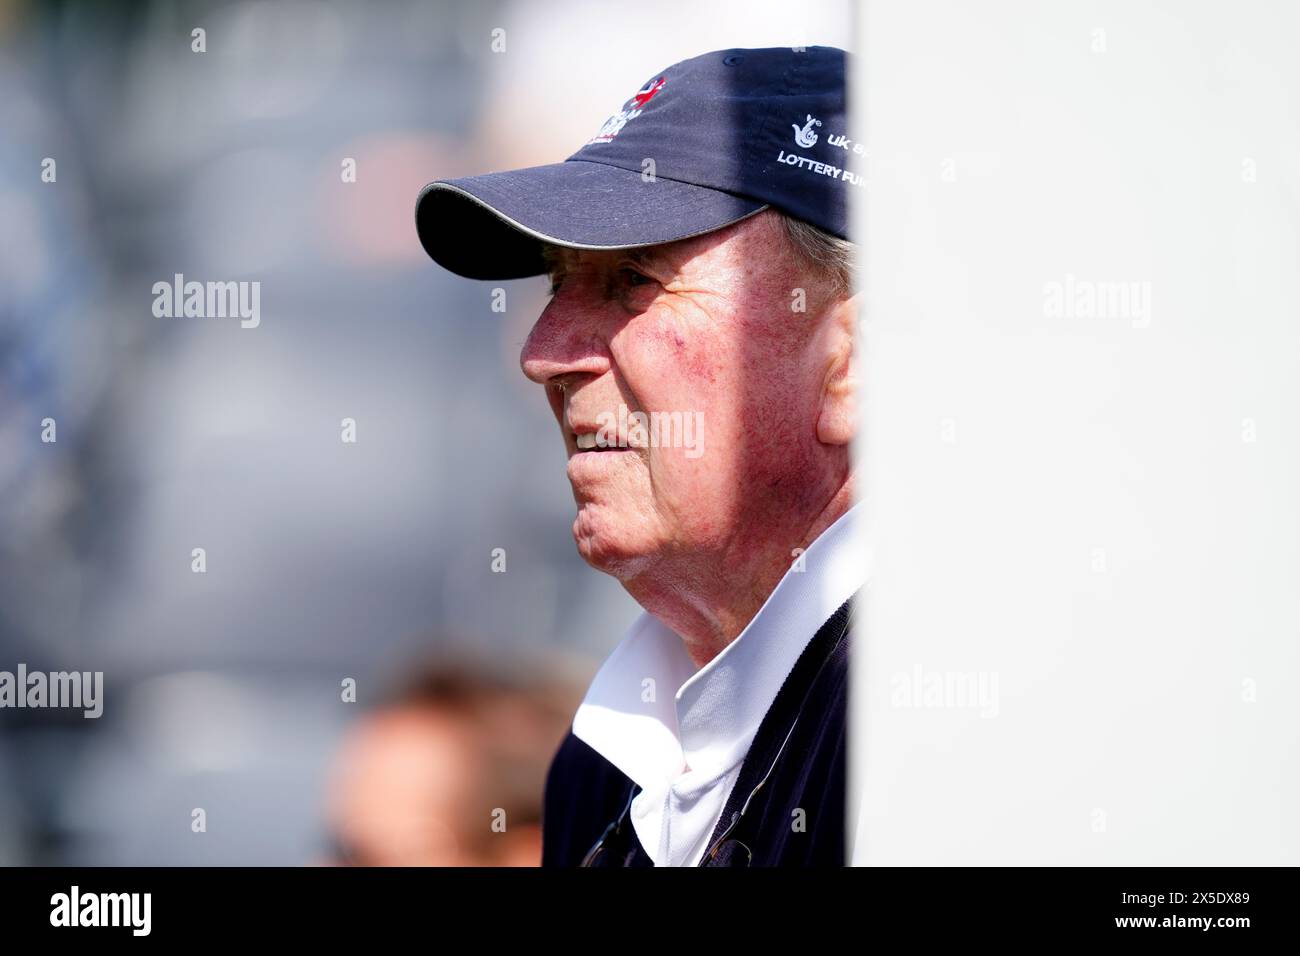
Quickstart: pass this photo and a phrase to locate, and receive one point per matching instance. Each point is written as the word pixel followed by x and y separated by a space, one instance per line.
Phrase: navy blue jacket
pixel 586 795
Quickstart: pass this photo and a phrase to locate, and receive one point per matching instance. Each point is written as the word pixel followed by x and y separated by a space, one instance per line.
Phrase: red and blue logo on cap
pixel 630 111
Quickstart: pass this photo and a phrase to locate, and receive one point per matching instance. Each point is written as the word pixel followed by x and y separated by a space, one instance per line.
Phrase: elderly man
pixel 697 352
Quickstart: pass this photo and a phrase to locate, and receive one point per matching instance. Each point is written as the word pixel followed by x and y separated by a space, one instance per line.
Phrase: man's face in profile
pixel 706 327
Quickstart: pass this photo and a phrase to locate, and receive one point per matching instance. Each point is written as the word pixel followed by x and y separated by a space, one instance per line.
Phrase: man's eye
pixel 632 277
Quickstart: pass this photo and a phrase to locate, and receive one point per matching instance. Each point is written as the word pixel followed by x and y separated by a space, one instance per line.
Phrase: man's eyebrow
pixel 553 255
pixel 651 257
pixel 556 260
pixel 559 259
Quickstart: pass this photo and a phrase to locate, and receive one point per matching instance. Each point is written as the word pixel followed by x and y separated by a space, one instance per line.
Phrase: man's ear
pixel 837 420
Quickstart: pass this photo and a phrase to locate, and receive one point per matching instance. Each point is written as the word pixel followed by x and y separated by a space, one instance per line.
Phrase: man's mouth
pixel 588 441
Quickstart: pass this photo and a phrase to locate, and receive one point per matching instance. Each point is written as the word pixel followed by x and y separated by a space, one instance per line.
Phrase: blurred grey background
pixel 325 560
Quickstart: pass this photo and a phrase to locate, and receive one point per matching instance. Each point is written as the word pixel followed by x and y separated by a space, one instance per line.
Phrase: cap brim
pixel 494 226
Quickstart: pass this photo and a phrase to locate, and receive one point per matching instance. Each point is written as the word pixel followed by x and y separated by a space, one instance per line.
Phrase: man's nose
pixel 565 340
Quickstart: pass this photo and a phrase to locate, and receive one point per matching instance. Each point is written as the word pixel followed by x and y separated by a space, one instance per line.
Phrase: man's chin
pixel 609 549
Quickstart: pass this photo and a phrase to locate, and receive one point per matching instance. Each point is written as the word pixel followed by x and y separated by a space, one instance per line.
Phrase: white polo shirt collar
pixel 682 733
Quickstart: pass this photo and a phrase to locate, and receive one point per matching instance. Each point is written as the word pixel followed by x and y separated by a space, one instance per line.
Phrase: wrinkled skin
pixel 700 535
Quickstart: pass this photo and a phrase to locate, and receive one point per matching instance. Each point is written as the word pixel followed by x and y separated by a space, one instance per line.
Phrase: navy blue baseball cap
pixel 703 144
